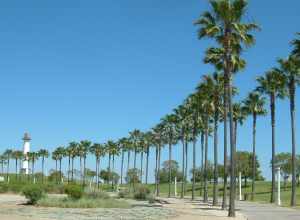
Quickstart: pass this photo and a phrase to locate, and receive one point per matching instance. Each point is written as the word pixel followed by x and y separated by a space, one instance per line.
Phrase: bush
pixel 96 195
pixel 74 191
pixel 142 193
pixel 3 188
pixel 123 194
pixel 33 193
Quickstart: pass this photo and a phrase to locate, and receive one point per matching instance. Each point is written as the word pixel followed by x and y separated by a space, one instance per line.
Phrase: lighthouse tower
pixel 26 149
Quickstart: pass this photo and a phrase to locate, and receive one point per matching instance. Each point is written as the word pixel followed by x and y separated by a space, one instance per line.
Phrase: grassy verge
pixel 82 203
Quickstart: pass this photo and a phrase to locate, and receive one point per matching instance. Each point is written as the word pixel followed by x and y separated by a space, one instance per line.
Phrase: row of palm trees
pixel 201 113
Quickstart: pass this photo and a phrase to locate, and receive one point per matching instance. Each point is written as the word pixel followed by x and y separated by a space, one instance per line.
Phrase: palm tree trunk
pixel 170 171
pixel 7 170
pixel 69 166
pixel 109 173
pixel 205 197
pixel 224 200
pixel 158 177
pixel 128 161
pixel 215 190
pixel 122 166
pixel 72 174
pixel 56 176
pixel 43 168
pixel 186 166
pixel 253 157
pixel 16 160
pixel 141 173
pixel 134 163
pixel 292 112
pixel 156 171
pixel 273 146
pixel 183 164
pixel 112 172
pixel 194 163
pixel 231 212
pixel 97 171
pixel 60 171
pixel 147 164
pixel 202 156
pixel 84 171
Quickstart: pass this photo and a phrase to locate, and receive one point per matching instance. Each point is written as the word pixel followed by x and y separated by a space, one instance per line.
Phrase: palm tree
pixel 148 138
pixel 159 141
pixel 61 153
pixel 224 24
pixel 254 105
pixel 135 138
pixel 290 68
pixel 123 144
pixel 2 162
pixel 99 151
pixel 114 151
pixel 84 149
pixel 239 116
pixel 32 157
pixel 296 44
pixel 207 105
pixel 7 154
pixel 273 85
pixel 181 113
pixel 55 157
pixel 169 123
pixel 17 155
pixel 73 150
pixel 43 153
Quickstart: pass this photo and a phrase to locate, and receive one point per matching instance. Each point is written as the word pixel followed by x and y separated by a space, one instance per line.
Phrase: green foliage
pixel 33 193
pixel 164 172
pixel 132 176
pixel 74 191
pixel 142 193
pixel 107 176
pixel 96 195
pixel 55 176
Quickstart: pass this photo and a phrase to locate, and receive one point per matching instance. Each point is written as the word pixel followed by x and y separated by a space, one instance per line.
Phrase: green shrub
pixel 74 191
pixel 3 188
pixel 96 195
pixel 33 193
pixel 124 193
pixel 142 193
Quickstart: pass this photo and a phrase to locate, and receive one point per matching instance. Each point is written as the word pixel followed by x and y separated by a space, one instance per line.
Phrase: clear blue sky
pixel 73 70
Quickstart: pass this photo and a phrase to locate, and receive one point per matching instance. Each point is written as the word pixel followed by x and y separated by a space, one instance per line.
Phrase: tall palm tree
pixel 32 157
pixel 60 154
pixel 159 142
pixel 73 150
pixel 148 137
pixel 122 143
pixel 43 153
pixel 114 151
pixel 254 105
pixel 7 154
pixel 207 105
pixel 239 116
pixel 181 113
pixel 99 151
pixel 135 138
pixel 2 162
pixel 273 85
pixel 296 44
pixel 84 149
pixel 17 155
pixel 290 68
pixel 169 123
pixel 224 24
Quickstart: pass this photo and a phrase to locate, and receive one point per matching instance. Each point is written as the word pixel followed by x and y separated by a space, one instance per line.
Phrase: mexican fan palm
pixel 123 144
pixel 207 106
pixel 254 105
pixel 84 149
pixel 72 149
pixel 148 138
pixel 273 85
pixel 239 116
pixel 17 156
pixel 296 44
pixel 135 138
pixel 169 123
pixel 32 157
pixel 43 153
pixel 224 24
pixel 7 154
pixel 290 68
pixel 98 151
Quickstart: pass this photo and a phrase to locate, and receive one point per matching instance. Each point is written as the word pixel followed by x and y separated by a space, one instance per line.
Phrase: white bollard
pixel 278 193
pixel 240 185
pixel 175 187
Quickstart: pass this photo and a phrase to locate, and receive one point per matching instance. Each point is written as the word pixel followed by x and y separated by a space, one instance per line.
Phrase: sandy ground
pixel 11 208
pixel 196 210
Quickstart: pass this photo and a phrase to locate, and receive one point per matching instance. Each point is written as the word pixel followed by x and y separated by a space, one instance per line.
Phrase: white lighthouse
pixel 26 149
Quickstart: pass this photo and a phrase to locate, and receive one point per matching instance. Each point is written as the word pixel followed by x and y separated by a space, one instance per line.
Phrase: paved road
pixel 256 211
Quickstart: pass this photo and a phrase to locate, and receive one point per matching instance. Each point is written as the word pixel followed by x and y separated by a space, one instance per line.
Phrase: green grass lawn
pixel 263 191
